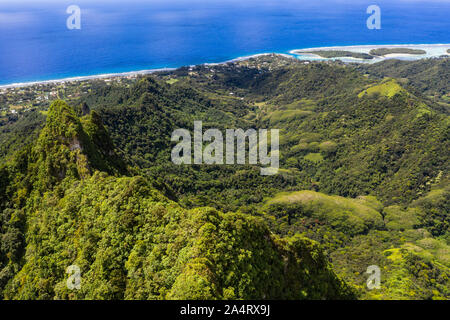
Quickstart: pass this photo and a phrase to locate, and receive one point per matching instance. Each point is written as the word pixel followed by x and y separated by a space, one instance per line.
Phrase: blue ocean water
pixel 119 36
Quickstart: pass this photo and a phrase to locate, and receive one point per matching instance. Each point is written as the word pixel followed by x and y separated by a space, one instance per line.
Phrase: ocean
pixel 122 36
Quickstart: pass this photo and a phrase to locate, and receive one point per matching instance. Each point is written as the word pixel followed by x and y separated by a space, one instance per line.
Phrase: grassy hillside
pixel 363 181
pixel 362 232
pixel 388 89
pixel 428 77
pixel 74 204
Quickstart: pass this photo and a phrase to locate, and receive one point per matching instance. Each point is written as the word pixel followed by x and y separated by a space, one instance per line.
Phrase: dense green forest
pixel 339 54
pixel 385 51
pixel 363 181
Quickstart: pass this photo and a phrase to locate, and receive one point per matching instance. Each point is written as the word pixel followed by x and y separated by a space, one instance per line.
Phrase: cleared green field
pixel 314 157
pixel 287 115
pixel 348 215
pixel 172 81
pixel 388 89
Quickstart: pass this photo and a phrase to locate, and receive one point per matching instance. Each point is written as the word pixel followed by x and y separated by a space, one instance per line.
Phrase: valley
pixel 363 180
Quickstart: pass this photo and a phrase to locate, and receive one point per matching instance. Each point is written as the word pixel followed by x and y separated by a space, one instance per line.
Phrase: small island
pixel 339 54
pixel 386 51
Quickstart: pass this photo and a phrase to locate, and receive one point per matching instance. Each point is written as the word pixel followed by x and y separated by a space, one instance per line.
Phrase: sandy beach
pixel 433 50
pixel 84 78
pixel 130 73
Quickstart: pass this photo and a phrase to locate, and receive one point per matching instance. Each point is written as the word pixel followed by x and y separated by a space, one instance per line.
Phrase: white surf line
pixel 84 78
pixel 370 47
pixel 292 54
pixel 431 51
pixel 131 73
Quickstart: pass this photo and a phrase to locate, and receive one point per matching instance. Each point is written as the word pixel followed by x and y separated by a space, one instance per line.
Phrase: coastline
pixel 128 73
pixel 372 46
pixel 84 78
pixel 432 51
pixel 295 54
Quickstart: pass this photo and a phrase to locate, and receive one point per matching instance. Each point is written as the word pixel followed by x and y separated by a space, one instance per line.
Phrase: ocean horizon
pixel 36 44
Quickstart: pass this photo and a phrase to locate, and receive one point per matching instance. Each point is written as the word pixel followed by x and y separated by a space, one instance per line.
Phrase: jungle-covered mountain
pixel 363 181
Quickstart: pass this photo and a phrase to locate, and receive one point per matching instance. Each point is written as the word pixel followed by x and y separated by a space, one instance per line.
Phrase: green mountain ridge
pixel 131 242
pixel 363 181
